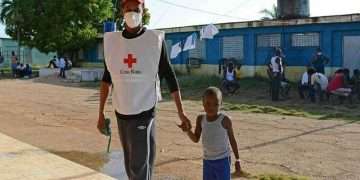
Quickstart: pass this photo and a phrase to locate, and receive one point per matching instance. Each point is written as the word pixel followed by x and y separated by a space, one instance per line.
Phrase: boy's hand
pixel 239 172
pixel 185 122
pixel 237 166
pixel 184 127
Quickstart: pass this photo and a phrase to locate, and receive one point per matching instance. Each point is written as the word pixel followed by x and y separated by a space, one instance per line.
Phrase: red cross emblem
pixel 130 61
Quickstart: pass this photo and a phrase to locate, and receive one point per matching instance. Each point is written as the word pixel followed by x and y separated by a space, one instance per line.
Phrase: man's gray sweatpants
pixel 138 141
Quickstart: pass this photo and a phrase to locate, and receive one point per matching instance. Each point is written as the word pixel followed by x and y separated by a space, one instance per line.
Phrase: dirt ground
pixel 61 118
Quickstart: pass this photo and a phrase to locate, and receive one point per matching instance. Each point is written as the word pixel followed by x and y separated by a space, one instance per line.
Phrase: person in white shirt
pixel 304 84
pixel 230 84
pixel 277 69
pixel 62 66
pixel 318 84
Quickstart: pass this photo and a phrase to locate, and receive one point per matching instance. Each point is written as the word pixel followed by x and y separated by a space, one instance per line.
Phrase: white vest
pixel 133 65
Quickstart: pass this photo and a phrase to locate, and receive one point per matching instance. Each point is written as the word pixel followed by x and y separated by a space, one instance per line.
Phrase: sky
pixel 175 13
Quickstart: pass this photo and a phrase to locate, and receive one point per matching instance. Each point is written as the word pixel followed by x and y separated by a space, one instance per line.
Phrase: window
pixel 269 40
pixel 233 47
pixel 199 51
pixel 305 39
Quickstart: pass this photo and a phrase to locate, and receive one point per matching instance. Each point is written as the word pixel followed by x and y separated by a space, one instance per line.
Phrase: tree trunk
pixel 18 47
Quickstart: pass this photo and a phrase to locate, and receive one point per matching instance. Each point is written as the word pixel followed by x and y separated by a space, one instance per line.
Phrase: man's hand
pixel 185 122
pixel 101 122
pixel 237 167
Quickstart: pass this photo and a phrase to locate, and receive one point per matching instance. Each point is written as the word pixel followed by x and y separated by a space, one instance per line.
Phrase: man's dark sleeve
pixel 106 76
pixel 166 71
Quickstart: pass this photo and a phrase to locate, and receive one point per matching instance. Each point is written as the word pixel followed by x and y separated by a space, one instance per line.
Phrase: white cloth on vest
pixel 133 65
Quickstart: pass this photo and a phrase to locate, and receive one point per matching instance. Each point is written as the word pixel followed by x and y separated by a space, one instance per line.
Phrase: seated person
pixel 347 79
pixel 27 71
pixel 230 84
pixel 53 63
pixel 68 64
pixel 20 70
pixel 356 82
pixel 318 84
pixel 337 85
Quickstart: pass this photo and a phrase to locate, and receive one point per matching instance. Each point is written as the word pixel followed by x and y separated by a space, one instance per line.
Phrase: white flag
pixel 208 32
pixel 175 50
pixel 190 42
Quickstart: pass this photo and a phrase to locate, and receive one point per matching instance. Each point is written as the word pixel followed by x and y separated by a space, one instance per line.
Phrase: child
pixel 217 132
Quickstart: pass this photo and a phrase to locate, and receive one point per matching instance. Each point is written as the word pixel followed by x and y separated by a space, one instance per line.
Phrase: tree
pixel 62 26
pixel 10 14
pixel 270 13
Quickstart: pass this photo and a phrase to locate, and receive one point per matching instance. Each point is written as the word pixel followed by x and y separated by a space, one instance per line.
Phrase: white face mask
pixel 133 19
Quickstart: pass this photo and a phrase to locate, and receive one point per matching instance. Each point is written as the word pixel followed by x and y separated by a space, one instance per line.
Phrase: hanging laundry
pixel 190 42
pixel 208 32
pixel 175 50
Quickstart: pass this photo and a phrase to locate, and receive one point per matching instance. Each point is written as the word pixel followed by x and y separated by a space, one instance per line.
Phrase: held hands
pixel 185 122
pixel 101 122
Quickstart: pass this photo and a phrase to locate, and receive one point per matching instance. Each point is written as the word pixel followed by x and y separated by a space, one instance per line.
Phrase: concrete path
pixel 19 160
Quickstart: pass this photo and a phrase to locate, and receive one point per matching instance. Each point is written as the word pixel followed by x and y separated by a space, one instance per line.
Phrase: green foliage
pixel 280 177
pixel 55 25
pixel 270 13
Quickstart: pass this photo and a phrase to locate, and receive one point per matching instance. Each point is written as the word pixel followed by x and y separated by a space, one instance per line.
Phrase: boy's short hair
pixel 213 91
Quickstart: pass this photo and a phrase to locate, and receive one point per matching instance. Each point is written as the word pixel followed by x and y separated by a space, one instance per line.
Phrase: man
pixel 277 70
pixel 319 61
pixel 318 84
pixel 14 63
pixel 2 61
pixel 135 60
pixel 62 66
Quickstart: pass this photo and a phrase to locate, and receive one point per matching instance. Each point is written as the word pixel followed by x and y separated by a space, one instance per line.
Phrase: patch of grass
pixel 280 177
pixel 253 97
pixel 263 109
pixel 90 84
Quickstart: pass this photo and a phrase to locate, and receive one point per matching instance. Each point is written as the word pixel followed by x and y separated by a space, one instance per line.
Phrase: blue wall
pixel 331 42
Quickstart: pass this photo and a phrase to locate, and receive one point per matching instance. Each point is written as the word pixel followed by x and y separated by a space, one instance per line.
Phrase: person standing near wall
pixel 2 62
pixel 277 71
pixel 319 61
pixel 135 60
pixel 14 63
pixel 62 66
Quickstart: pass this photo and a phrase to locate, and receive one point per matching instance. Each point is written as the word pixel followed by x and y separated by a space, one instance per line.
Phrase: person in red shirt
pixel 337 85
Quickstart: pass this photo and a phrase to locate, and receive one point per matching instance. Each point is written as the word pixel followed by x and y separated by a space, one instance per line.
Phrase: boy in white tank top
pixel 217 132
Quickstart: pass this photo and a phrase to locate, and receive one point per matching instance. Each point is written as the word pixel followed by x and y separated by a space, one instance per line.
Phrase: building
pixel 27 55
pixel 252 43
